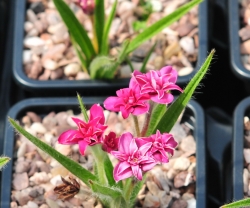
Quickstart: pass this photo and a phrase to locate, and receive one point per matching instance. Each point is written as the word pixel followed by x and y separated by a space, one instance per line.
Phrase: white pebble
pixel 31 42
pixel 49 64
pixel 187 44
pixel 38 127
pixel 32 204
pixel 72 69
pixel 27 56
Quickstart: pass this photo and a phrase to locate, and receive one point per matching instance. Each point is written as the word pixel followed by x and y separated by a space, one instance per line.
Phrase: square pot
pixel 193 116
pixel 234 39
pixel 87 86
pixel 241 110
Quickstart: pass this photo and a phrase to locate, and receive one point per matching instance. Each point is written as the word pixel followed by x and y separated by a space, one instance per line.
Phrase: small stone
pixel 45 75
pixel 44 167
pixel 181 163
pixel 32 204
pixel 245 47
pixel 40 177
pixel 44 206
pixel 49 122
pixel 179 203
pixel 72 69
pixel 22 166
pixel 246 153
pixel 22 149
pixel 27 57
pixel 22 197
pixel 13 204
pixel 171 50
pixel 82 76
pixel 185 29
pixel 188 144
pixel 56 74
pixel 28 26
pixel 187 44
pixel 49 64
pixel 31 42
pixel 37 7
pixel 64 149
pixel 180 179
pixel 59 170
pixel 20 181
pixel 185 71
pixel 38 128
pixel 31 16
pixel 33 116
pixel 191 203
pixel 151 201
pixel 56 180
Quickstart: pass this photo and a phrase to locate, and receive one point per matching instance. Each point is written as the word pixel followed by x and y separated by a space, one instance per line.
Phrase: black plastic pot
pixel 242 109
pixel 234 26
pixel 193 116
pixel 87 86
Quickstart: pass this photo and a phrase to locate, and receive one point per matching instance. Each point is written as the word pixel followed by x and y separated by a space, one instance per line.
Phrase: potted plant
pixel 151 144
pixel 193 116
pixel 238 41
pixel 113 84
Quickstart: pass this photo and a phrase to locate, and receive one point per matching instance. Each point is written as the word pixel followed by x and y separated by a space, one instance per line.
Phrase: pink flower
pixel 87 6
pixel 129 100
pixel 110 142
pixel 87 133
pixel 157 84
pixel 133 158
pixel 161 145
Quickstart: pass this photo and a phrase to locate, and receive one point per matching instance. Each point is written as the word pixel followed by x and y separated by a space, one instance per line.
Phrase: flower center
pixel 134 158
pixel 158 145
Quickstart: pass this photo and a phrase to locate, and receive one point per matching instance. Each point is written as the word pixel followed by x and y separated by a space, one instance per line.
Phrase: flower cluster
pixel 154 85
pixel 135 154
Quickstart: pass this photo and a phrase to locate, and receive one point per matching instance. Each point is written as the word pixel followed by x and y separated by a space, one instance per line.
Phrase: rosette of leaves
pixel 94 53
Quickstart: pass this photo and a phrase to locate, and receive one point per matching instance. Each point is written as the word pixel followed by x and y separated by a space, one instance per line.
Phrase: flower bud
pixel 87 6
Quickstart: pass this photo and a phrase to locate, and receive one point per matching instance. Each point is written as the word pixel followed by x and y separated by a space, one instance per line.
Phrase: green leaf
pixel 104 67
pixel 3 162
pixel 82 107
pixel 105 44
pixel 79 54
pixel 128 186
pixel 135 191
pixel 118 202
pixel 238 204
pixel 99 21
pixel 101 66
pixel 130 65
pixel 160 25
pixel 74 167
pixel 157 113
pixel 76 30
pixel 145 61
pixel 170 117
pixel 105 190
pixel 108 166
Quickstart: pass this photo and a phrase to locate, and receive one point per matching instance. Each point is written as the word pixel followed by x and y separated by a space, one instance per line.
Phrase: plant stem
pixel 128 186
pixel 94 39
pixel 137 129
pixel 100 156
pixel 147 119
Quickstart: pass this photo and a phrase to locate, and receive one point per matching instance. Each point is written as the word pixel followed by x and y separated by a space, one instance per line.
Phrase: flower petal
pixel 121 171
pixel 97 111
pixel 70 137
pixel 137 172
pixel 82 146
pixel 124 142
pixel 109 104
